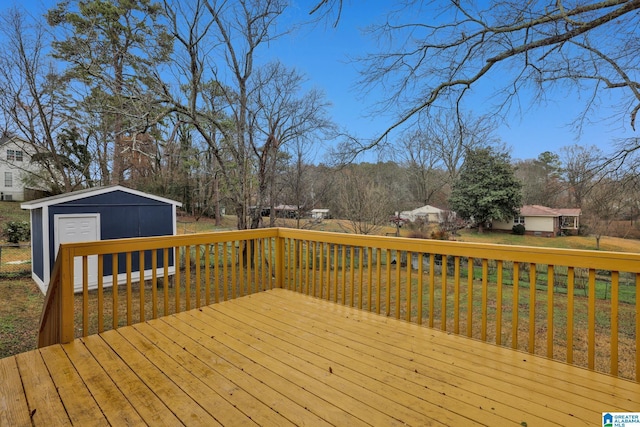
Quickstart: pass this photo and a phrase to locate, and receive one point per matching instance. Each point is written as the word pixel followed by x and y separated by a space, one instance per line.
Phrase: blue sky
pixel 323 54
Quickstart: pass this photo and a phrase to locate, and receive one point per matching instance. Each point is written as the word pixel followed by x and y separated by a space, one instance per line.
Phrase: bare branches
pixel 325 7
pixel 429 60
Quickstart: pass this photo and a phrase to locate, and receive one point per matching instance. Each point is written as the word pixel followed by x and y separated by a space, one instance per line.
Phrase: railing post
pixel 66 296
pixel 279 261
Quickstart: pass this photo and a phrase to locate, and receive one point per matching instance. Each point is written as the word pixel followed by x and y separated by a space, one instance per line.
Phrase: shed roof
pixel 88 192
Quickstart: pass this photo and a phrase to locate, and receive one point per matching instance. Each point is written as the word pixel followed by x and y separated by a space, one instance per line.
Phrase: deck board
pixel 14 410
pixel 279 358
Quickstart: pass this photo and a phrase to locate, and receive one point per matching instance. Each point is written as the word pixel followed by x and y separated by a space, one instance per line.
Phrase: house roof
pixel 539 210
pixel 286 208
pixel 426 209
pixel 570 212
pixel 88 192
pixel 5 139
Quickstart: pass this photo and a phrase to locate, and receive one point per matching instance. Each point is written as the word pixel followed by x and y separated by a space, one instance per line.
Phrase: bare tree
pixel 246 113
pixel 217 43
pixel 441 141
pixel 436 52
pixel 581 166
pixel 364 203
pixel 605 204
pixel 33 102
pixel 296 183
pixel 421 161
pixel 283 117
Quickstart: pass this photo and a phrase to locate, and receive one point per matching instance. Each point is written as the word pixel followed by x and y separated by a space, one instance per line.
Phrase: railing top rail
pixel 159 242
pixel 602 260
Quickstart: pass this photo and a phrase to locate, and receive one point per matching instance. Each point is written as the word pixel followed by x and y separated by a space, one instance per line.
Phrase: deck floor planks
pixel 301 355
pixel 341 396
pixel 80 406
pixel 498 361
pixel 317 398
pixel 166 398
pixel 213 402
pixel 167 354
pixel 587 380
pixel 14 410
pixel 373 394
pixel 42 397
pixel 403 385
pixel 519 379
pixel 580 385
pixel 438 384
pixel 127 378
pixel 263 359
pixel 289 402
pixel 114 405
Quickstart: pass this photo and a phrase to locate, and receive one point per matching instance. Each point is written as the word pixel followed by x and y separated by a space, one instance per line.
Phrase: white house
pixel 542 221
pixel 15 165
pixel 427 213
pixel 319 214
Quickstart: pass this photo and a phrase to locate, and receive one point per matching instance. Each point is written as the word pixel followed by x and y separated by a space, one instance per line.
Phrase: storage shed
pixel 100 213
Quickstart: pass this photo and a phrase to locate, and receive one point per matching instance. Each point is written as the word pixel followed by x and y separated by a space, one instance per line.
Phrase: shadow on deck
pixel 282 358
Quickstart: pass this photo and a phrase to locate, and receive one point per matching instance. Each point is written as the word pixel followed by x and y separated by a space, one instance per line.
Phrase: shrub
pixel 518 229
pixel 17 231
pixel 440 235
pixel 416 234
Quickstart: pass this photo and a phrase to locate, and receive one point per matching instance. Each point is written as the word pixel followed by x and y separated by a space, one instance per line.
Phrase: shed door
pixel 79 228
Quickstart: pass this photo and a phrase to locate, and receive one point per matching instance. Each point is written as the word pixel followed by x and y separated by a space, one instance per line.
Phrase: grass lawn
pixel 20 308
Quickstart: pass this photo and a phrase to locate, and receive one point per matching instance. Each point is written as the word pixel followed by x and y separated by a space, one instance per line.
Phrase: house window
pixel 14 155
pixel 518 220
pixel 8 179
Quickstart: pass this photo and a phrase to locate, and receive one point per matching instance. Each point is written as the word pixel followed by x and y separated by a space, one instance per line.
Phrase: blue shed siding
pixel 37 246
pixel 122 215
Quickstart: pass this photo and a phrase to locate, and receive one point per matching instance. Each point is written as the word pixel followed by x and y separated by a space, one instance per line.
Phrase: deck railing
pixel 577 306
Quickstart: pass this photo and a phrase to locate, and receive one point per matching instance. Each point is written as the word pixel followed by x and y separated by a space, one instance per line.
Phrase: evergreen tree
pixel 113 47
pixel 486 188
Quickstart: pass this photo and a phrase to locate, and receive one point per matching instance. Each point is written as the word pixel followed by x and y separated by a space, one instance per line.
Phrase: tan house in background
pixel 542 221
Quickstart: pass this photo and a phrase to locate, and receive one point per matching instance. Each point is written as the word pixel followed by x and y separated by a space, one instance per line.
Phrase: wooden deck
pixel 281 358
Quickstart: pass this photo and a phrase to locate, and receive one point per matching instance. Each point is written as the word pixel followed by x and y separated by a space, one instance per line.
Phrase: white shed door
pixel 79 228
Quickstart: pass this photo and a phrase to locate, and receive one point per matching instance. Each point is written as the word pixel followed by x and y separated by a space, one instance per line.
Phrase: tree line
pixel 485 184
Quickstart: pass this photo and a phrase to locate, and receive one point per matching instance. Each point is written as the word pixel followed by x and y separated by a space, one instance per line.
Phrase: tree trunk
pixel 216 201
